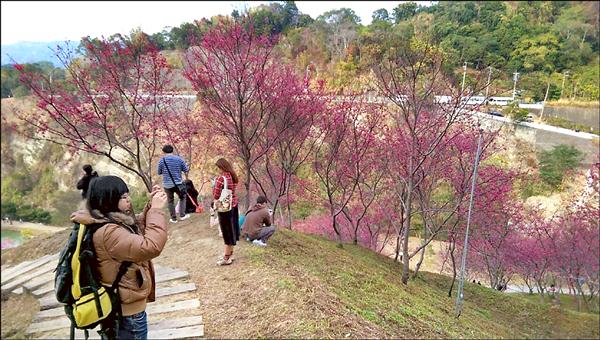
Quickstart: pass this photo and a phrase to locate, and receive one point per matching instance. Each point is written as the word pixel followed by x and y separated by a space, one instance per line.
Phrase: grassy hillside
pixel 307 287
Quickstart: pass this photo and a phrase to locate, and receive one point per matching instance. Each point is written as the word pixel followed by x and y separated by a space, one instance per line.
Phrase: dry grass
pixel 17 313
pixel 577 103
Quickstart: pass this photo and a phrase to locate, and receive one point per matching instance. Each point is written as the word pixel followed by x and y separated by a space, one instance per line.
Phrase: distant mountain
pixel 31 52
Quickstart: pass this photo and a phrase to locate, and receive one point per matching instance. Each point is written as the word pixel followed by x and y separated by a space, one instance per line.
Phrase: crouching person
pixel 257 224
pixel 122 237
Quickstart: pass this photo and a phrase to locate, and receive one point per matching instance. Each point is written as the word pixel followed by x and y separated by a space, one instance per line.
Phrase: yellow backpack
pixel 77 284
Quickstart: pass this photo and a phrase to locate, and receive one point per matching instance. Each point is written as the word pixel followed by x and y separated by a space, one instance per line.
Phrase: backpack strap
pixel 170 175
pixel 120 273
pixel 115 285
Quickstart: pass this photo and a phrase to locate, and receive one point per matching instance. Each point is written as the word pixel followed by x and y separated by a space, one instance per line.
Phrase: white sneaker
pixel 223 262
pixel 259 243
pixel 184 217
pixel 172 220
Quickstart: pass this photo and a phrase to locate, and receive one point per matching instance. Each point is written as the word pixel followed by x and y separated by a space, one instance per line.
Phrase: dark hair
pixel 224 165
pixel 261 199
pixel 104 194
pixel 167 148
pixel 88 169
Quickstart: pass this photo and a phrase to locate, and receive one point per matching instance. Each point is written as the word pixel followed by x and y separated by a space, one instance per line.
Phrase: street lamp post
pixel 544 104
pixel 462 88
pixel 515 78
pixel 487 87
pixel 562 88
pixel 461 282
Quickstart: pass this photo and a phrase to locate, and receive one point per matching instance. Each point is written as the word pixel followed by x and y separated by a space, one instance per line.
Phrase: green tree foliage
pixel 404 11
pixel 556 162
pixel 381 15
pixel 537 53
pixel 515 113
pixel 11 87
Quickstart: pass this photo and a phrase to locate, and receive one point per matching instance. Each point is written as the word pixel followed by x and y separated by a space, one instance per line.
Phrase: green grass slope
pixel 367 288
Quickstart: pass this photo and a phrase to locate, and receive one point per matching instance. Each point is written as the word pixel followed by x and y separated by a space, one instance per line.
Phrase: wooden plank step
pixel 153 326
pixel 39 281
pixel 48 266
pixel 175 323
pixel 179 274
pixel 63 322
pixel 34 264
pixel 177 333
pixel 160 292
pixel 160 270
pixel 11 270
pixel 166 291
pixel 172 306
pixel 40 292
pixel 50 301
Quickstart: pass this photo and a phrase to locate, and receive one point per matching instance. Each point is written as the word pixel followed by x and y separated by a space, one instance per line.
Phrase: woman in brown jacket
pixel 126 237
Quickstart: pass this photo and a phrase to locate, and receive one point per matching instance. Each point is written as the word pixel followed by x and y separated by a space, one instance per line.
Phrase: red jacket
pixel 230 185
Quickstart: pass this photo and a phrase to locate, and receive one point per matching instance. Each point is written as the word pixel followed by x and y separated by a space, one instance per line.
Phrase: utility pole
pixel 462 89
pixel 487 87
pixel 544 104
pixel 562 87
pixel 515 78
pixel 461 282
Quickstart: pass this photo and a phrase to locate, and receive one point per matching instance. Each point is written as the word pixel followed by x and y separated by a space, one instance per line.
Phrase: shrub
pixel 515 112
pixel 556 162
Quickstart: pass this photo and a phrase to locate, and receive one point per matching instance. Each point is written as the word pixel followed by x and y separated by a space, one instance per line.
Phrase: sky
pixel 61 20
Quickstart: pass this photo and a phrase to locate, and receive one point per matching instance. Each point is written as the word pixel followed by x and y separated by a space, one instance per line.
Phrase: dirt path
pixel 221 290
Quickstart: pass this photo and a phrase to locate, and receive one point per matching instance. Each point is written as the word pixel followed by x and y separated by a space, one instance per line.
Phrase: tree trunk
pixel 452 247
pixel 397 247
pixel 580 299
pixel 422 256
pixel 247 185
pixel 406 226
pixel 281 219
pixel 418 266
pixel 289 210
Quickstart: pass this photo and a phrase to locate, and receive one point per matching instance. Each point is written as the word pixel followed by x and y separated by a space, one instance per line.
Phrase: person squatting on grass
pixel 228 221
pixel 257 225
pixel 126 237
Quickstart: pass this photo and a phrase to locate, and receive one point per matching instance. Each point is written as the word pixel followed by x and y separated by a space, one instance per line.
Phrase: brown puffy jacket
pixel 115 243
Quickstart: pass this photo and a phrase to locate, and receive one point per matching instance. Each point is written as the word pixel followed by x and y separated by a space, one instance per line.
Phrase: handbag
pixel 180 187
pixel 223 204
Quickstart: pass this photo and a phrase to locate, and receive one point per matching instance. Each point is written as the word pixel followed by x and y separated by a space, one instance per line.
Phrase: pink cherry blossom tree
pixel 242 87
pixel 112 104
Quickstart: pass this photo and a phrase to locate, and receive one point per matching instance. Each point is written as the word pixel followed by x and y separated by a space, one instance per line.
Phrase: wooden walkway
pixel 174 314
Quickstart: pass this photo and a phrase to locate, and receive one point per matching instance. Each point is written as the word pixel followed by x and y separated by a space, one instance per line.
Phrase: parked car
pixel 529 118
pixel 496 113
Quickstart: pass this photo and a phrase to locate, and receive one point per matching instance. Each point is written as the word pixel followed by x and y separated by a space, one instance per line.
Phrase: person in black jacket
pixel 84 182
pixel 191 190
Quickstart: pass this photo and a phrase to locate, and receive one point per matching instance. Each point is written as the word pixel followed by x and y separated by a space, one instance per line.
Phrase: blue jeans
pixel 134 327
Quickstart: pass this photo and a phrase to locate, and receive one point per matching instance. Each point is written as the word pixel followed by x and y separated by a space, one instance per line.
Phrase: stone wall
pixel 588 116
